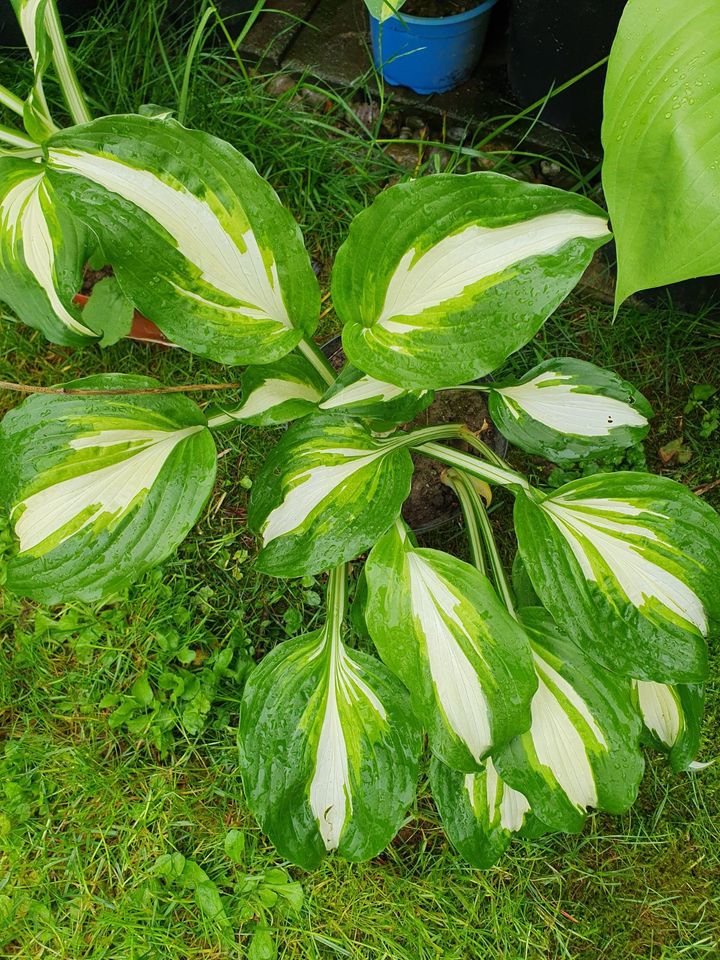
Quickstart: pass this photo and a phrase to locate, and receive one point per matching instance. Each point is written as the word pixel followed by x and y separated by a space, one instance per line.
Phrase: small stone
pixel 280 84
pixel 406 154
pixel 415 123
pixel 456 134
pixel 550 169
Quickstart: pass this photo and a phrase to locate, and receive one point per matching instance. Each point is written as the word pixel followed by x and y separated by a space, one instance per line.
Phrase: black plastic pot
pixel 552 41
pixel 70 10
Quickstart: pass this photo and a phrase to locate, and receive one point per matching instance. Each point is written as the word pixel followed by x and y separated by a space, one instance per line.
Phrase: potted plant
pixel 536 687
pixel 431 45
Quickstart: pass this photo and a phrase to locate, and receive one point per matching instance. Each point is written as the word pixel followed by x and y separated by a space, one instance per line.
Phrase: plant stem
pixel 336 601
pixel 502 476
pixel 451 479
pixel 312 352
pixel 69 84
pixel 461 482
pixel 17 139
pixel 112 392
pixel 9 100
pixel 488 453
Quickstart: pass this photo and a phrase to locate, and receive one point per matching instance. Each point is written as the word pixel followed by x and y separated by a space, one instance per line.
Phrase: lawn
pixel 123 831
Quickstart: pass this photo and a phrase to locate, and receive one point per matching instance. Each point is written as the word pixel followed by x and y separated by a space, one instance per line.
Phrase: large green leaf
pixel 442 278
pixel 582 750
pixel 627 565
pixel 672 716
pixel 42 253
pixel 99 489
pixel 567 409
pixel 480 813
pixel 326 493
pixel 198 240
pixel 439 625
pixel 329 749
pixel 661 137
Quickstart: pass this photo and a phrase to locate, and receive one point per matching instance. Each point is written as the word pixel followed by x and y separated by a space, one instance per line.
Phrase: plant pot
pixel 70 10
pixel 142 329
pixel 430 54
pixel 552 41
pixel 432 505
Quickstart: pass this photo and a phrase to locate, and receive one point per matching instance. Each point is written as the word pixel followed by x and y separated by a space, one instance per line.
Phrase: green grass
pixel 99 787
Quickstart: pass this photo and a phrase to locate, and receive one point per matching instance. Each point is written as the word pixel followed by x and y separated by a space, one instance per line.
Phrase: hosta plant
pixel 531 691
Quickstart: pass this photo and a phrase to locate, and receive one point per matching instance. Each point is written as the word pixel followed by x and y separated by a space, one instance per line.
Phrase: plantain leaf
pixel 480 812
pixel 442 278
pixel 363 396
pixel 99 489
pixel 567 409
pixel 325 494
pixel 626 563
pixel 582 750
pixel 42 254
pixel 200 242
pixel 276 393
pixel 672 716
pixel 438 624
pixel 661 173
pixel 329 749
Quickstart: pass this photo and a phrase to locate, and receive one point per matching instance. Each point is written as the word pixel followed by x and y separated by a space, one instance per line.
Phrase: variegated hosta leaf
pixel 581 751
pixel 326 493
pixel 100 488
pixel 277 392
pixel 480 812
pixel 199 241
pixel 42 254
pixel 442 278
pixel 31 17
pixel 627 565
pixel 364 396
pixel 329 750
pixel 567 409
pixel 672 716
pixel 438 624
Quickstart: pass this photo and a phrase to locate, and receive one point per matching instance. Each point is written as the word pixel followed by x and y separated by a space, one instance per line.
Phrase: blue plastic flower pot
pixel 430 54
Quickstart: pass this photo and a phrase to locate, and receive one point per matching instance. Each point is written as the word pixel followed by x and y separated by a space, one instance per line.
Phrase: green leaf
pixel 439 625
pixel 363 396
pixel 142 691
pixel 479 812
pixel 108 312
pixel 328 749
pixel 672 716
pixel 442 278
pixel 207 897
pixel 235 845
pixel 199 240
pixel 383 9
pixel 100 488
pixel 662 141
pixel 277 392
pixel 262 945
pixel 567 409
pixel 327 491
pixel 42 254
pixel 31 17
pixel 582 750
pixel 626 563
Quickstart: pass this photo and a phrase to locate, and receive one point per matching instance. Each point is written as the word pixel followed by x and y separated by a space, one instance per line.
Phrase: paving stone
pixel 270 37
